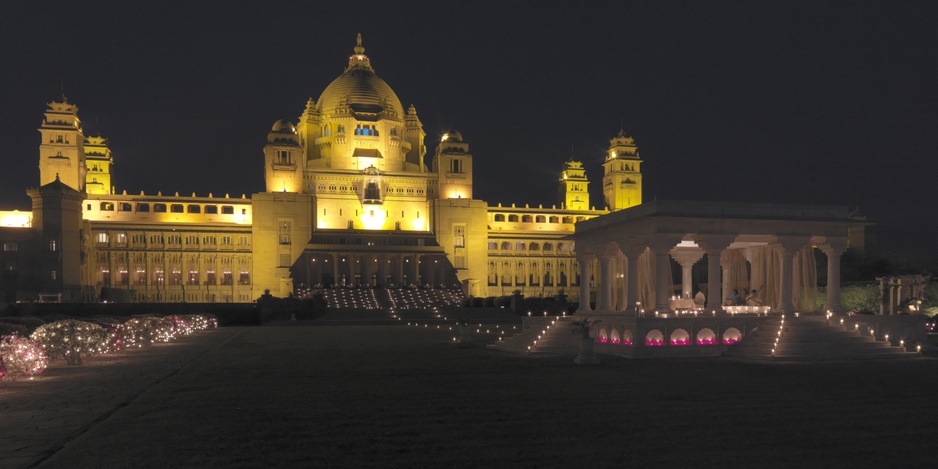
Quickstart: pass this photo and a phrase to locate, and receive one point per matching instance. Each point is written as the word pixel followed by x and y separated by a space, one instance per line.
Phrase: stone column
pixel 631 292
pixel 687 257
pixel 661 246
pixel 786 248
pixel 605 284
pixel 585 261
pixel 834 249
pixel 714 247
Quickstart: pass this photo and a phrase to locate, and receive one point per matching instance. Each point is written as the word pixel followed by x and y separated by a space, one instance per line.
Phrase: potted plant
pixel 583 328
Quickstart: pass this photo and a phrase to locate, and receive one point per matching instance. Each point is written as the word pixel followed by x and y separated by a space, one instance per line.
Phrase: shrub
pixel 12 329
pixel 476 302
pixel 141 331
pixel 860 298
pixel 70 339
pixel 489 302
pixel 30 323
pixel 21 357
pixel 502 301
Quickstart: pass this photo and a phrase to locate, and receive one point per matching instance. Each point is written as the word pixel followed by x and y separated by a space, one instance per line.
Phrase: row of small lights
pixel 778 336
pixel 856 327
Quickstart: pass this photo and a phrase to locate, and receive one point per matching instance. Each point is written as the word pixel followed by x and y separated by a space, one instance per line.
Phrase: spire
pixel 359 60
pixel 358 45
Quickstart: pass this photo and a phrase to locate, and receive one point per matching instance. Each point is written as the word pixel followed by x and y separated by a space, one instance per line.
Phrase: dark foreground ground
pixel 396 396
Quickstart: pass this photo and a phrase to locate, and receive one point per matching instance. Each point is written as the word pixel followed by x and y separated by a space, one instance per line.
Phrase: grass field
pixel 395 396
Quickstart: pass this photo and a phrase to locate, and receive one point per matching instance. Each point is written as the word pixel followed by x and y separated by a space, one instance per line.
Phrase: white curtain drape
pixel 765 265
pixel 646 279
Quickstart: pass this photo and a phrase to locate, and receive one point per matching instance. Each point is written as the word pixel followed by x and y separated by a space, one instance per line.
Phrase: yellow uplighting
pixel 16 219
pixel 373 219
pixel 417 224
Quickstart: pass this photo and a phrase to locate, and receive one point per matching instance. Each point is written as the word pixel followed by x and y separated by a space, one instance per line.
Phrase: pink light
pixel 603 340
pixel 615 341
pixel 655 343
pixel 730 341
pixel 680 342
pixel 626 342
pixel 706 341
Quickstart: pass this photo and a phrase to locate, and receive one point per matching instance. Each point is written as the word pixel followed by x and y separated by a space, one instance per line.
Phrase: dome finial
pixel 358 45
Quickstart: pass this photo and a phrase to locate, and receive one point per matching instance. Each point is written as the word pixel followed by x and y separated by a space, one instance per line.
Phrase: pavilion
pixel 766 246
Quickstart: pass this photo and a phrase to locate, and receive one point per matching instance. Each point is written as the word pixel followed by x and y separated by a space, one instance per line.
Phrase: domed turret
pixel 360 90
pixel 283 126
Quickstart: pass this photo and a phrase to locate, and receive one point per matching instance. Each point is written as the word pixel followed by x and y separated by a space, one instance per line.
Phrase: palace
pixel 350 199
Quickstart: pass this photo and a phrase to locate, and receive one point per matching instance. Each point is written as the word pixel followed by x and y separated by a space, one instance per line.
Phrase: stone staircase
pixel 811 338
pixel 556 338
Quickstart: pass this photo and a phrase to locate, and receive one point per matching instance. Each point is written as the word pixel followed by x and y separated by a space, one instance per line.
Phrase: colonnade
pixel 375 269
pixel 618 282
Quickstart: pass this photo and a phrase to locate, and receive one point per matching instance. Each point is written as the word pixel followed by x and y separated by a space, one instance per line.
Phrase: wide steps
pixel 557 339
pixel 812 339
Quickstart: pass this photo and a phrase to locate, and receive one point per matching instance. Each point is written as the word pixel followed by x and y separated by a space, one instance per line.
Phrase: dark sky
pixel 790 102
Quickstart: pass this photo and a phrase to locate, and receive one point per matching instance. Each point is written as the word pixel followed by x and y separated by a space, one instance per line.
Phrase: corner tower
pixel 283 171
pixel 62 152
pixel 622 175
pixel 452 163
pixel 573 192
pixel 98 162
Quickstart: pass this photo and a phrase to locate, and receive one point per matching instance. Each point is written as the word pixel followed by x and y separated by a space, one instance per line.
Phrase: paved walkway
pixel 397 396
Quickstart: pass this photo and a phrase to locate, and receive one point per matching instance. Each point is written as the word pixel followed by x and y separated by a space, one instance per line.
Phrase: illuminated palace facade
pixel 349 200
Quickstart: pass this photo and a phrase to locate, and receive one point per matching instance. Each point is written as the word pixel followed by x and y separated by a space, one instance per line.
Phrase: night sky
pixel 789 102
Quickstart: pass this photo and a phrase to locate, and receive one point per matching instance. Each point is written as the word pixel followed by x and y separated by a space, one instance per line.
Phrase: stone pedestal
pixel 586 356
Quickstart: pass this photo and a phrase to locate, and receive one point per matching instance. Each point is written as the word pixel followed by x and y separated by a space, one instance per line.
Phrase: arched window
pixel 534 247
pixel 540 219
pixel 527 219
pixel 562 247
pixel 506 246
pixel 499 217
pixel 493 246
pixel 513 218
pixel 520 246
pixel 548 247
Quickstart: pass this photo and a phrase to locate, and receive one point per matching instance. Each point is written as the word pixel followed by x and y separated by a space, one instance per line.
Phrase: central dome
pixel 364 91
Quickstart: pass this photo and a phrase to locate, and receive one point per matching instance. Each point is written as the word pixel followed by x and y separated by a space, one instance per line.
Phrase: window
pixel 519 247
pixel 554 220
pixel 226 240
pixel 244 278
pixel 513 218
pixel 243 241
pixel 194 209
pixel 285 229
pixel 548 247
pixel 125 207
pixel 459 236
pixel 156 239
pixel 534 247
pixel 493 246
pixel 10 246
pixel 455 165
pixel 227 210
pixel 159 208
pixel 143 207
pixel 122 238
pixel 192 240
pixel 53 246
pixel 176 208
pixel 540 219
pixel 212 209
pixel 101 237
pixel 499 217
pixel 527 219
pixel 506 246
pixel 107 206
pixel 54 274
